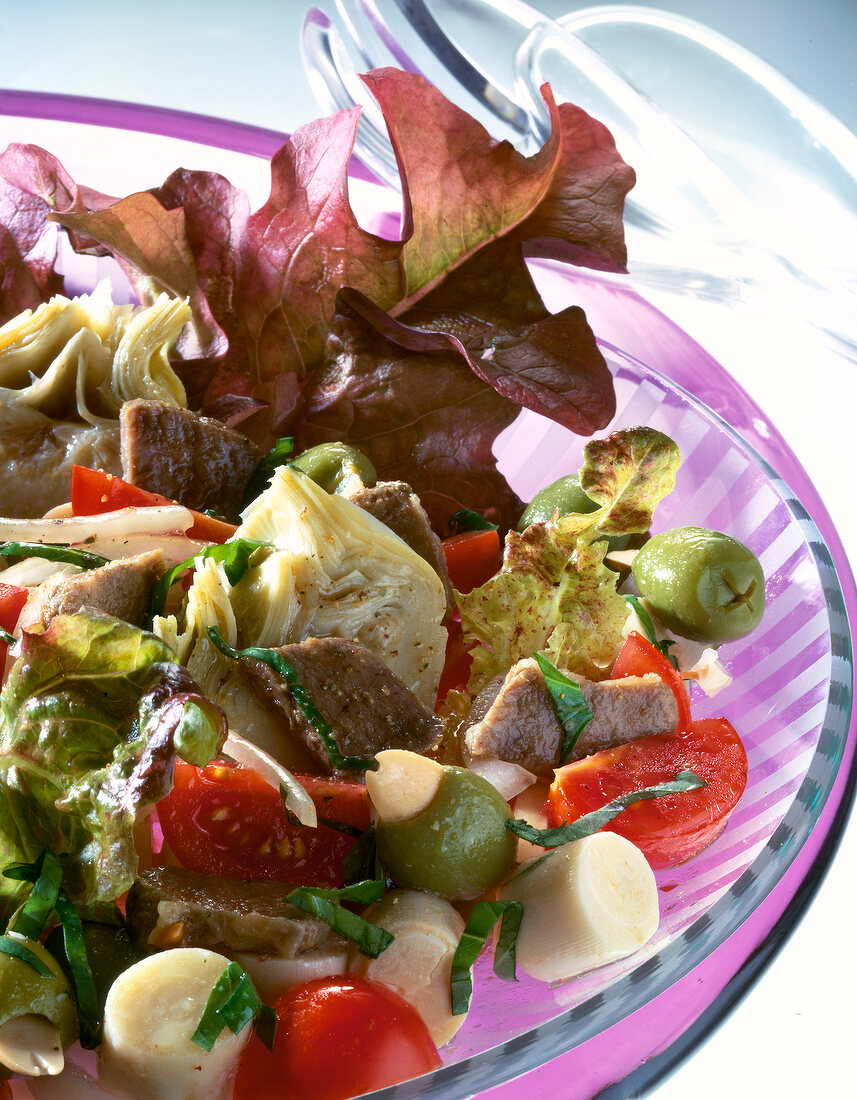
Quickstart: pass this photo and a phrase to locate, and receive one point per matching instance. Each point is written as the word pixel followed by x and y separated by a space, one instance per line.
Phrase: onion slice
pixel 122 523
pixel 296 799
pixel 508 778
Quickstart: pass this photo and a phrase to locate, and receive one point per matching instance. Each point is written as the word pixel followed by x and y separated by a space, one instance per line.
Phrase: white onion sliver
pixel 272 975
pixel 709 673
pixel 175 548
pixel 31 572
pixel 61 511
pixel 79 529
pixel 509 779
pixel 298 802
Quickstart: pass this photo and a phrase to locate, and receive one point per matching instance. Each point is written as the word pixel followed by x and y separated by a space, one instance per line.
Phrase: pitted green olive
pixel 701 584
pixel 330 465
pixel 25 991
pixel 458 846
pixel 563 495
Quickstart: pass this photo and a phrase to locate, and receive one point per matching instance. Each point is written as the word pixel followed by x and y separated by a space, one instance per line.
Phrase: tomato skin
pixel 337 799
pixel 472 558
pixel 637 657
pixel 94 492
pixel 671 828
pixel 224 819
pixel 12 600
pixel 336 1038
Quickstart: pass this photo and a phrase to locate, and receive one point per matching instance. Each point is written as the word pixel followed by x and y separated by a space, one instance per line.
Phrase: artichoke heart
pixel 79 358
pixel 332 570
pixel 65 370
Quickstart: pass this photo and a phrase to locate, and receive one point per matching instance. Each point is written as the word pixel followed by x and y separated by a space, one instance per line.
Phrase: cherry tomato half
pixel 673 827
pixel 456 667
pixel 336 1037
pixel 224 819
pixel 12 600
pixel 472 558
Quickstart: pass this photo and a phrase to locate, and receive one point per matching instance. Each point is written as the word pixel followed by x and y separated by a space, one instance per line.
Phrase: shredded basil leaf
pixel 234 555
pixel 662 645
pixel 233 1003
pixel 371 940
pixel 570 706
pixel 81 973
pixel 46 897
pixel 479 927
pixel 10 946
pixel 70 554
pixel 590 823
pixel 279 455
pixel 265 1025
pixel 465 519
pixel 46 876
pixel 281 666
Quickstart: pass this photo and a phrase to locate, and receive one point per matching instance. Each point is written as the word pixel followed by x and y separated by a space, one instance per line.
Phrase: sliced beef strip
pixel 366 705
pixel 122 588
pixel 397 506
pixel 174 907
pixel 513 717
pixel 189 458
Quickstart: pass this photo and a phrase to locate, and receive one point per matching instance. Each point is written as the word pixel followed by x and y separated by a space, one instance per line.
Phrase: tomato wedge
pixel 12 600
pixel 472 558
pixel 94 492
pixel 225 819
pixel 456 667
pixel 676 826
pixel 638 657
pixel 336 1037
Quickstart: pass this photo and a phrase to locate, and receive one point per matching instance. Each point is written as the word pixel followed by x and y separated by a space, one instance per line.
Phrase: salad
pixel 277 775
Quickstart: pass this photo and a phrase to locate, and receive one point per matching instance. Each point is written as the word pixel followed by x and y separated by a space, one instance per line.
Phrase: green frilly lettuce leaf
pixel 554 594
pixel 91 718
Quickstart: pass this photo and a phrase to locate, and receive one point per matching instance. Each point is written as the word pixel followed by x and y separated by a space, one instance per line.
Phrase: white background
pixel 793 1036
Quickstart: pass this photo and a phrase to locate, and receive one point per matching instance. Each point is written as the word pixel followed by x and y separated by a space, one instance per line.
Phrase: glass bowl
pixel 724 911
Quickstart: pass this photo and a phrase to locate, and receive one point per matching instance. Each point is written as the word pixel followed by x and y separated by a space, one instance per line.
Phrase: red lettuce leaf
pixel 151 246
pixel 32 183
pixel 27 253
pixel 266 281
pixel 411 401
pixel 549 363
pixel 462 189
pixel 263 285
pixel 580 218
pixel 39 174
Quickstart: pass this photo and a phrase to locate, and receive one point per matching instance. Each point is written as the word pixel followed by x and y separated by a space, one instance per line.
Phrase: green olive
pixel 109 949
pixel 330 465
pixel 701 584
pixel 458 847
pixel 25 991
pixel 563 495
